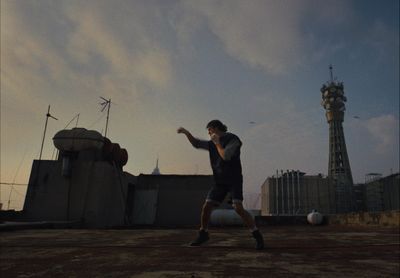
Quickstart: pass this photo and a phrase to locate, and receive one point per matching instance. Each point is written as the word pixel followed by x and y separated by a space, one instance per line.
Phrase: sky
pixel 257 65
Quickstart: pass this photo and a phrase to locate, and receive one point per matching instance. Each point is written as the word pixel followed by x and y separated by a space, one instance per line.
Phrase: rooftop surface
pixel 291 251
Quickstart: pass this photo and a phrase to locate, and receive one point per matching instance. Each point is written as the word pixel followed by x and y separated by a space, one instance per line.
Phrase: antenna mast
pixel 48 115
pixel 106 104
pixel 331 72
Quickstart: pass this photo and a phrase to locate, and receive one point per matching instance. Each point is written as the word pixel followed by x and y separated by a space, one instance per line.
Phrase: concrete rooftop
pixel 292 251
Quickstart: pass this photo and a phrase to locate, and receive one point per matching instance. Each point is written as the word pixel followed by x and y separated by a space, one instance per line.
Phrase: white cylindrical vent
pixel 315 218
pixel 227 217
pixel 78 139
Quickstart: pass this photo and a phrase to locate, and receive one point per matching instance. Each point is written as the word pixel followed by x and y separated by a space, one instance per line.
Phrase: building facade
pixel 383 194
pixel 294 193
pixel 167 200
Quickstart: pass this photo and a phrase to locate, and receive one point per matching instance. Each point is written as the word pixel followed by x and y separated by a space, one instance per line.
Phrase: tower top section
pixel 333 98
pixel 332 82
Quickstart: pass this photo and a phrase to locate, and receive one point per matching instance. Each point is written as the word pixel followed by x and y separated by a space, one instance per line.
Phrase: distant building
pixel 377 193
pixel 294 193
pixel 382 194
pixel 359 197
pixel 156 170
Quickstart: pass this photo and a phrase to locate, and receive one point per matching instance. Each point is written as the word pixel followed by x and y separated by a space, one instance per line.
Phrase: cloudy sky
pixel 255 65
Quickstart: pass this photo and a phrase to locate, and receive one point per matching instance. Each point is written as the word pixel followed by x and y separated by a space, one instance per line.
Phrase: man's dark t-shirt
pixel 229 169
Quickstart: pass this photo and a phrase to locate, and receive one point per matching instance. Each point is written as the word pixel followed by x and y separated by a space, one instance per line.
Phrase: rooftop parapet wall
pixel 386 218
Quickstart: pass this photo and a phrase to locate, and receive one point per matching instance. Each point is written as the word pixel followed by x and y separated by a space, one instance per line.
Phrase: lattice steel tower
pixel 333 100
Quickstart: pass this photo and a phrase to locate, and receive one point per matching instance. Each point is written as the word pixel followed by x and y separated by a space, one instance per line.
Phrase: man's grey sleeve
pixel 200 144
pixel 232 149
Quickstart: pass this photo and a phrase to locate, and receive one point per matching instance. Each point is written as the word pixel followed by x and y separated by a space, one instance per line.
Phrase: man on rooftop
pixel 224 150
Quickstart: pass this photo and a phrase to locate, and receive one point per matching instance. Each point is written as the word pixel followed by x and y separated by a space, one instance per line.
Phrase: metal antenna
pixel 106 104
pixel 45 128
pixel 331 72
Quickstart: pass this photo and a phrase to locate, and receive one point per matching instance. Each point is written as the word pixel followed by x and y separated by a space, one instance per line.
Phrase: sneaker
pixel 259 240
pixel 201 238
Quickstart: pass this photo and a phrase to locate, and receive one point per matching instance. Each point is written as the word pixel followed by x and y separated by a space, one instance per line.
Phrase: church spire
pixel 156 170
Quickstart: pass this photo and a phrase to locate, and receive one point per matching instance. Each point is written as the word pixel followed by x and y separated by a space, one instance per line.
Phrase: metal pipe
pixel 276 192
pixel 44 133
pixel 45 128
pixel 298 190
pixel 108 114
pixel 283 200
pixel 293 191
pixel 288 191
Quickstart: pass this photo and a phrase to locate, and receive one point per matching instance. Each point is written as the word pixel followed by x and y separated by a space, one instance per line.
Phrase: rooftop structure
pixel 87 185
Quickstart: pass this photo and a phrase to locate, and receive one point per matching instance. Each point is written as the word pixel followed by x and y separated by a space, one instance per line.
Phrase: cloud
pixel 257 33
pixel 131 53
pixel 268 35
pixel 384 41
pixel 385 132
pixel 73 46
pixel 288 138
pixel 27 62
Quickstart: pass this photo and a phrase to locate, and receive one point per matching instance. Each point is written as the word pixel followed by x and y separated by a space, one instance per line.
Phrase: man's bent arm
pixel 197 143
pixel 231 150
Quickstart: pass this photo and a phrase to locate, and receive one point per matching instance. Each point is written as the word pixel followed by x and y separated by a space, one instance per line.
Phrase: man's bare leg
pixel 245 215
pixel 206 215
pixel 249 221
pixel 205 219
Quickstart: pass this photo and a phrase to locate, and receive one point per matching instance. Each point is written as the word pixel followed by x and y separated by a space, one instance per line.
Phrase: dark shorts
pixel 218 193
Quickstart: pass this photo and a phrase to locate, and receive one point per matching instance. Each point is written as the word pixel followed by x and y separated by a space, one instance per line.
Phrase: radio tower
pixel 333 100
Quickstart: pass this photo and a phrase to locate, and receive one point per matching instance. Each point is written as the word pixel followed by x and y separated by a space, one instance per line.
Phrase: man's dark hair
pixel 217 124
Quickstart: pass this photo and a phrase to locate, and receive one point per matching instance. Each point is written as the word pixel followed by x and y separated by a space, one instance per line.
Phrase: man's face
pixel 211 130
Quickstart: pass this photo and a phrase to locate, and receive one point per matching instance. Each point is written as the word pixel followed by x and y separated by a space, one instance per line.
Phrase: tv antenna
pixel 331 71
pixel 106 104
pixel 48 115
